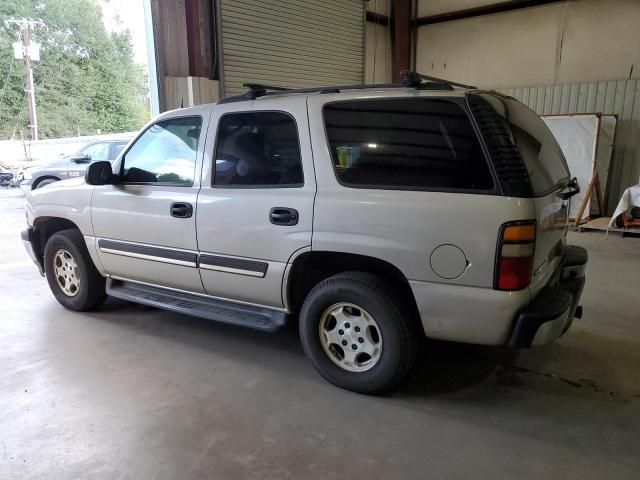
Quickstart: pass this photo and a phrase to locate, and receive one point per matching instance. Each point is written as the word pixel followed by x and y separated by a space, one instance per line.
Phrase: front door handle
pixel 181 210
pixel 283 216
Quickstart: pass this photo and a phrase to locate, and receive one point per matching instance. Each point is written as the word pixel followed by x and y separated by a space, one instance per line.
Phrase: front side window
pixel 97 152
pixel 258 149
pixel 410 144
pixel 165 153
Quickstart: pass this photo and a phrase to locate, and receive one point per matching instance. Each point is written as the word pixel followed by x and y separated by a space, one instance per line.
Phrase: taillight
pixel 515 255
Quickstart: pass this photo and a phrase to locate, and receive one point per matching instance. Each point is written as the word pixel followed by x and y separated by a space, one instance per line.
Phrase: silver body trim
pixel 148 257
pixel 239 271
pixel 204 266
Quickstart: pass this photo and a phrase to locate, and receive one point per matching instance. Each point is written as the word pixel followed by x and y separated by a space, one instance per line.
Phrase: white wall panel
pixel 577 41
pixel 383 7
pixel 378 54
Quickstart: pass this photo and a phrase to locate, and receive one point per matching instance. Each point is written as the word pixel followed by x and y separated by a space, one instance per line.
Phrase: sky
pixel 119 15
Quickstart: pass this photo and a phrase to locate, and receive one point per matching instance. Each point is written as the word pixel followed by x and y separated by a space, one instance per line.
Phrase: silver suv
pixel 372 217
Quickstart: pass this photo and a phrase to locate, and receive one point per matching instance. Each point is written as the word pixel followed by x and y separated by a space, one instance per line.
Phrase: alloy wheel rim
pixel 66 272
pixel 350 337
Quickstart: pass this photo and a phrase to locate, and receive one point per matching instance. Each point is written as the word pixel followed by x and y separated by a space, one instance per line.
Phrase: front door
pixel 145 225
pixel 255 207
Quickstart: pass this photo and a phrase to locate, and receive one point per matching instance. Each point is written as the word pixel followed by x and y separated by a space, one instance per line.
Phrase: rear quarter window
pixel 542 156
pixel 410 144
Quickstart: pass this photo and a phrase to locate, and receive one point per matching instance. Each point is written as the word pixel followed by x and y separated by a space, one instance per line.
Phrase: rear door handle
pixel 283 216
pixel 181 210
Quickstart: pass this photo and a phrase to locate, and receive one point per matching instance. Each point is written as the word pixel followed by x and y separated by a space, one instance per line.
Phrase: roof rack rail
pixel 414 79
pixel 409 80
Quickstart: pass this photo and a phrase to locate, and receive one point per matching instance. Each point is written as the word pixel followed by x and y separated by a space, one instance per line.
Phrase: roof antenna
pixel 410 79
pixel 258 90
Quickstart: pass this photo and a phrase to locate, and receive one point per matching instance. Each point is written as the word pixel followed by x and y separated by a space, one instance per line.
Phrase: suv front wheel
pixel 70 272
pixel 357 333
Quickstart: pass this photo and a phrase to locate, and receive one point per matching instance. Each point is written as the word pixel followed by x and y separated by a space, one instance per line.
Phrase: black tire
pixel 400 337
pixel 91 291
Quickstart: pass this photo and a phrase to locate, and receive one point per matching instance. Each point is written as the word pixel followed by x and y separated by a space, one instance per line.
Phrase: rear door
pixel 255 207
pixel 548 175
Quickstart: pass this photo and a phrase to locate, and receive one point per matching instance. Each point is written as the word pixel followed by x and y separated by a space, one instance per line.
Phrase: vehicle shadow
pixel 445 371
pixel 446 367
pixel 442 367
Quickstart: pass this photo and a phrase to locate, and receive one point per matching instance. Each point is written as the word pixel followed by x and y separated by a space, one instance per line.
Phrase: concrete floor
pixel 133 392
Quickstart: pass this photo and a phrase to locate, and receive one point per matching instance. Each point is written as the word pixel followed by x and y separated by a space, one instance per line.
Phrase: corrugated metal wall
pixel 292 43
pixel 620 98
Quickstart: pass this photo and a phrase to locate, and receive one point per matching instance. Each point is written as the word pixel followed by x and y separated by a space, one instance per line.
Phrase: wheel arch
pixel 311 267
pixel 44 228
pixel 35 184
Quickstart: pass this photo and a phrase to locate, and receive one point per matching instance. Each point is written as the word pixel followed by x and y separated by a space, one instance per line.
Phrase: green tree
pixel 86 79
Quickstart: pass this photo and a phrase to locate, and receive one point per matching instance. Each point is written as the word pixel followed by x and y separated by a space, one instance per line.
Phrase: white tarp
pixel 577 136
pixel 630 198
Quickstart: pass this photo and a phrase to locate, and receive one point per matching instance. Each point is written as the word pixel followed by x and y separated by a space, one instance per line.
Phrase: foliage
pixel 86 80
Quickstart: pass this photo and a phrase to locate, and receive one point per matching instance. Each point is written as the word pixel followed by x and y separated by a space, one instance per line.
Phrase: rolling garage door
pixel 291 43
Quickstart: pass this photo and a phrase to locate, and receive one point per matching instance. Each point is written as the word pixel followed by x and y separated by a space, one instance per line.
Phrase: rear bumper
pixel 551 312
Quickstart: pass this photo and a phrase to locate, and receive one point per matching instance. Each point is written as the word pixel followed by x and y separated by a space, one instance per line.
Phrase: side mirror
pixel 99 173
pixel 81 158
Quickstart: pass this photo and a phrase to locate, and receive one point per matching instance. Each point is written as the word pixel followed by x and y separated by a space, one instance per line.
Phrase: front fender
pixel 67 199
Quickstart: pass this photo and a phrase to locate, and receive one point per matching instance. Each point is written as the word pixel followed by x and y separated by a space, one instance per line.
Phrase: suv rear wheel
pixel 70 272
pixel 357 334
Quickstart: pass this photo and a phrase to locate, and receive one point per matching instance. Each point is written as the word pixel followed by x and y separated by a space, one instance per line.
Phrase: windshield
pixel 538 147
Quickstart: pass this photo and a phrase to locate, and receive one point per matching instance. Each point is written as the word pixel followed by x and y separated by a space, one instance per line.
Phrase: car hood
pixel 69 182
pixel 52 163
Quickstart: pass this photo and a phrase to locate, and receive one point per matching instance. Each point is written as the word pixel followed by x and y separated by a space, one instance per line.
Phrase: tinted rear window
pixel 538 147
pixel 412 144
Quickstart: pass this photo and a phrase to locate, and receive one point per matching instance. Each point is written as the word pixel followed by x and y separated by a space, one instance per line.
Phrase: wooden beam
pixel 498 7
pixel 194 48
pixel 401 58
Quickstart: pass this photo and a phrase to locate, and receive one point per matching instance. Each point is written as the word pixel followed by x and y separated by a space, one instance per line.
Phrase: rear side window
pixel 258 150
pixel 411 144
pixel 539 149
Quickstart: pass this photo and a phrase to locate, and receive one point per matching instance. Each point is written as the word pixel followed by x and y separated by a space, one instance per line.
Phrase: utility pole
pixel 28 52
pixel 33 117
